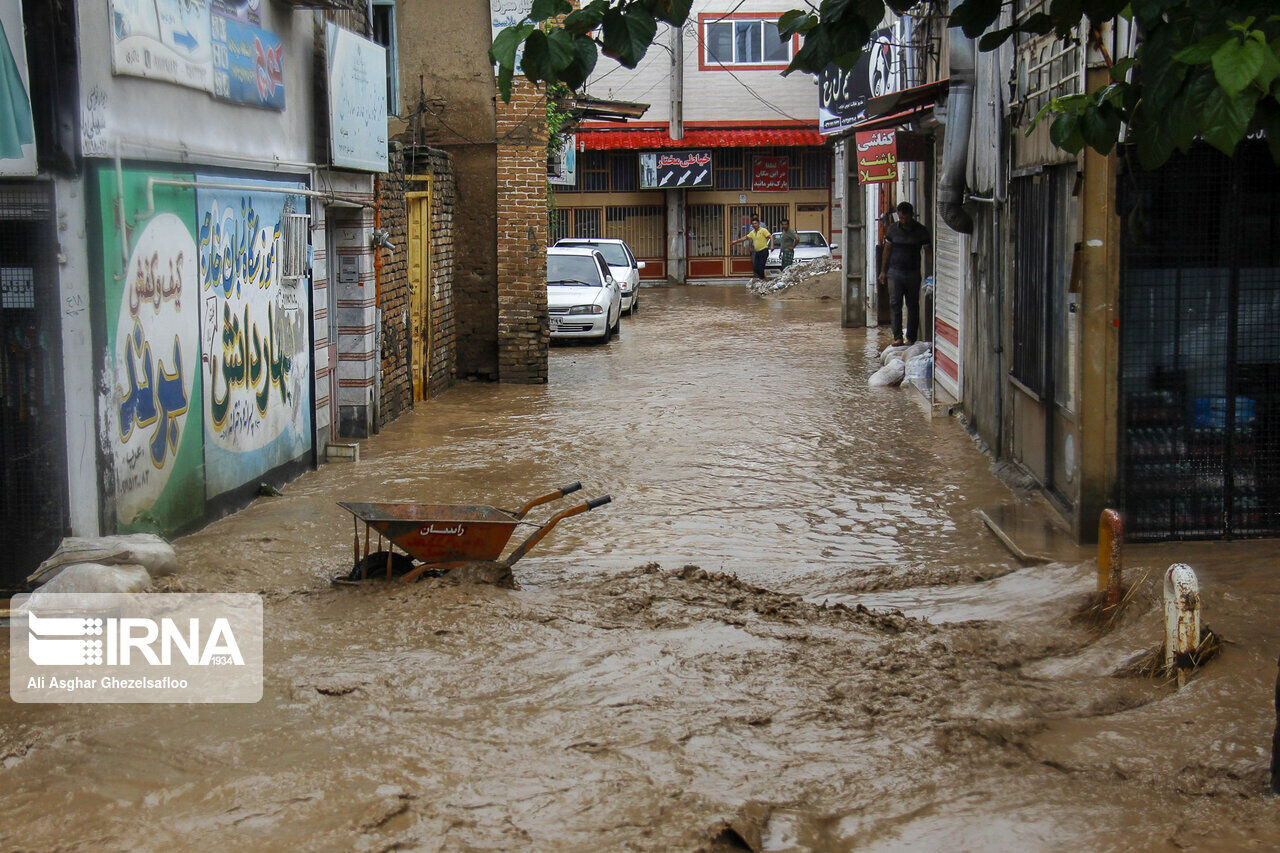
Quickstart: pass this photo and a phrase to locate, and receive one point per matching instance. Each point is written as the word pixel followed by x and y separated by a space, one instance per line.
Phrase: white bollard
pixel 1181 617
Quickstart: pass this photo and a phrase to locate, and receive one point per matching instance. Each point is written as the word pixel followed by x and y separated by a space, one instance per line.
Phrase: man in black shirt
pixel 904 241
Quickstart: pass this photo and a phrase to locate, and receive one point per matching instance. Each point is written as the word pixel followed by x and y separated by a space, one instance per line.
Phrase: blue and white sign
pixel 508 13
pixel 357 100
pixel 248 64
pixel 163 40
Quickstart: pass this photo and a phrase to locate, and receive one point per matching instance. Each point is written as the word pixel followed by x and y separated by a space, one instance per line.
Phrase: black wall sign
pixel 843 95
pixel 669 170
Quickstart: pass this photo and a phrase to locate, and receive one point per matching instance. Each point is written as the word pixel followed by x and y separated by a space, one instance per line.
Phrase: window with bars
pixel 642 227
pixel 730 166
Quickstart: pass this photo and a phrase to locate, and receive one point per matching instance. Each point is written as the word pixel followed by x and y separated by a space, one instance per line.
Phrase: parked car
pixel 622 263
pixel 812 246
pixel 583 297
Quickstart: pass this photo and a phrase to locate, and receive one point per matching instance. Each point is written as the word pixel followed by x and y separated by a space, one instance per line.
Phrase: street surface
pixel 692 665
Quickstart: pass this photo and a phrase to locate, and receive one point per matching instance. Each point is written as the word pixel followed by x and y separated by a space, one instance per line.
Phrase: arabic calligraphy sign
pixel 253 337
pixel 770 174
pixel 153 403
pixel 669 170
pixel 877 154
pixel 357 100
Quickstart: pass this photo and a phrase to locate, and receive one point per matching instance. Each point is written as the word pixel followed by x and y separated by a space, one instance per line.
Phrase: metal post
pixel 1110 555
pixel 855 254
pixel 1181 618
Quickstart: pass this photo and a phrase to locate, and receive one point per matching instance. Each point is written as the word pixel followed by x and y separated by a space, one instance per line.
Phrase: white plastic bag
pixel 132 549
pixel 890 374
pixel 892 352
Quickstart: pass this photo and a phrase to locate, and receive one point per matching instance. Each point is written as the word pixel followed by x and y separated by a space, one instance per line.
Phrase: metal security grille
pixel 1032 199
pixel 1200 347
pixel 706 230
pixel 32 478
pixel 642 227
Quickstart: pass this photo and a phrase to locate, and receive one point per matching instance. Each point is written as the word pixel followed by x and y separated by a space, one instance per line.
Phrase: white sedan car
pixel 812 246
pixel 583 298
pixel 623 265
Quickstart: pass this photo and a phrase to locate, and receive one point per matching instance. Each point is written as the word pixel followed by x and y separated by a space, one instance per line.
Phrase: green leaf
pixel 536 62
pixel 1065 133
pixel 543 9
pixel 1121 69
pixel 1236 63
pixel 628 34
pixel 1203 50
pixel 583 63
pixel 975 16
pixel 791 22
pixel 1100 127
pixel 674 12
pixel 995 38
pixel 584 20
pixel 562 48
pixel 503 50
pixel 1225 118
pixel 505 73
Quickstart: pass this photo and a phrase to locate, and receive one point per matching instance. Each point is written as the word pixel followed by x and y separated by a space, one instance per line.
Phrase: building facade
pixel 725 137
pixel 189 278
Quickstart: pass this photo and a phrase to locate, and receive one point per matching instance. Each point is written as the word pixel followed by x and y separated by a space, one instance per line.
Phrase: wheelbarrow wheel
pixel 375 565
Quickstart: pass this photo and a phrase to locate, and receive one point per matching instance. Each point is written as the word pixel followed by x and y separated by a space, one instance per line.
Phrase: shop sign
pixel 17 132
pixel 562 167
pixel 877 152
pixel 770 174
pixel 165 40
pixel 248 64
pixel 357 100
pixel 843 93
pixel 669 170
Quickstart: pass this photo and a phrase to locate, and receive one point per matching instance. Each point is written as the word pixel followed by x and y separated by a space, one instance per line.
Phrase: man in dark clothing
pixel 904 241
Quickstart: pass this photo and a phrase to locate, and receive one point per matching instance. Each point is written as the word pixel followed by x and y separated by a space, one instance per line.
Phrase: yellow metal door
pixel 419 210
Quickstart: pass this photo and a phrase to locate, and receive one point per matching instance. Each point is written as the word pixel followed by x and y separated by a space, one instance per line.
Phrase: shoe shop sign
pixel 157 647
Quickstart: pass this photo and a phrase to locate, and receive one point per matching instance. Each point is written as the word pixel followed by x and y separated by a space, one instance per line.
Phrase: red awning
pixel 635 140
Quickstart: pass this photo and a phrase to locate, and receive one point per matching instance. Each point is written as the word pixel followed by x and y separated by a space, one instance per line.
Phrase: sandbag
pixel 134 549
pixel 920 366
pixel 892 352
pixel 918 348
pixel 80 578
pixel 891 374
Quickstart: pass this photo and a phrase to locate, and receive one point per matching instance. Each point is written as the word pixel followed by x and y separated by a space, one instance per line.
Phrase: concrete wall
pixel 447 102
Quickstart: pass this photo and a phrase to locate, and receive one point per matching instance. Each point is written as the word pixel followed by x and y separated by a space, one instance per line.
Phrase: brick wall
pixel 398 368
pixel 523 331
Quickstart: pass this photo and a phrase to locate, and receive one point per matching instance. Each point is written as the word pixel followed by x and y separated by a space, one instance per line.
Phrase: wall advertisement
pixel 254 335
pixel 163 40
pixel 17 130
pixel 207 373
pixel 357 100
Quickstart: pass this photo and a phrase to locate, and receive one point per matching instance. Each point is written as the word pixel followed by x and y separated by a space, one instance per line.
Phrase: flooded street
pixel 789 631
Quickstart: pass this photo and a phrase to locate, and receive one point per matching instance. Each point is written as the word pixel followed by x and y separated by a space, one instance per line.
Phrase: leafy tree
pixel 1207 69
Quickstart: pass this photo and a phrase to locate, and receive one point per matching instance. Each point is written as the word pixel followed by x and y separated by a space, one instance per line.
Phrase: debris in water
pixel 793 275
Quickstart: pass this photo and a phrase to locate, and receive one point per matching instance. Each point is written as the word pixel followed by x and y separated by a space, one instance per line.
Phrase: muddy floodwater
pixel 789 631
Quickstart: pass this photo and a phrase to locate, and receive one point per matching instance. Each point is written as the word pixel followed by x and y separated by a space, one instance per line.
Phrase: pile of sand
pixel 818 279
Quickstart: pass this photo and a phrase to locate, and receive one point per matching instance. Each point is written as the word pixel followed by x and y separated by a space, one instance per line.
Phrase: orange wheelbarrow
pixel 441 536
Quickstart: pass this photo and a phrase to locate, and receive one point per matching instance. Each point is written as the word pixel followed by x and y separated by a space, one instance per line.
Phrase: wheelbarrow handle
pixel 537 535
pixel 550 496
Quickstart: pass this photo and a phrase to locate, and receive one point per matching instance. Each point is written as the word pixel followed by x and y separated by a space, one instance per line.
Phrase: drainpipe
pixel 955 147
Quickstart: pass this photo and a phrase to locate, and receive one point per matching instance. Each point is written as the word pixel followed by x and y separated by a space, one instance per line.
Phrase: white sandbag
pixel 136 549
pixel 918 348
pixel 892 352
pixel 79 578
pixel 920 366
pixel 890 374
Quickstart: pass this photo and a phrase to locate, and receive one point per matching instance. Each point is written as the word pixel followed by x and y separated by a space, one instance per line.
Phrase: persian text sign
pixel 669 170
pixel 770 174
pixel 136 647
pixel 248 64
pixel 164 40
pixel 17 130
pixel 877 153
pixel 357 101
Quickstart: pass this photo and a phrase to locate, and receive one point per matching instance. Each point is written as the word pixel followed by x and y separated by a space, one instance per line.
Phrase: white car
pixel 812 246
pixel 623 265
pixel 583 298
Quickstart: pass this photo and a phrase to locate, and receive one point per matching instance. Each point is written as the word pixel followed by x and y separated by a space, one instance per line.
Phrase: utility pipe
pixel 153 182
pixel 955 147
pixel 125 250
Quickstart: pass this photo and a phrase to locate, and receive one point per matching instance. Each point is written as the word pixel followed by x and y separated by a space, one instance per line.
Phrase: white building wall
pixel 154 118
pixel 713 94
